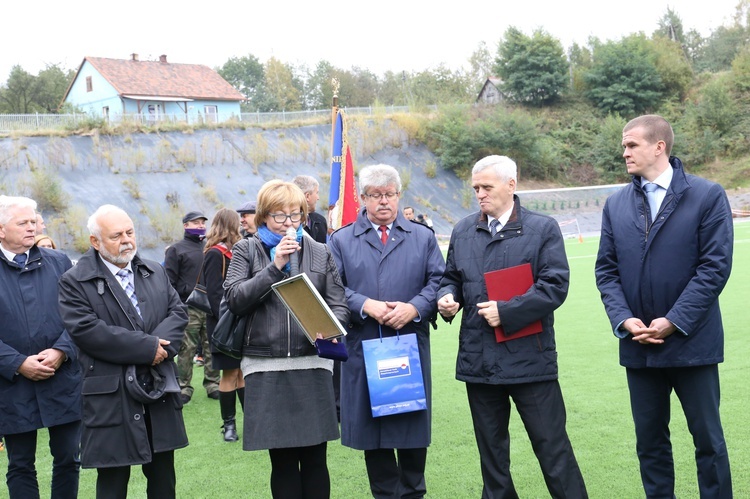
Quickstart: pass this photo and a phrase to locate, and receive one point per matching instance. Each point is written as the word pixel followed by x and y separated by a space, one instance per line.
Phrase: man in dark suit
pixel 316 224
pixel 503 234
pixel 40 380
pixel 128 322
pixel 665 254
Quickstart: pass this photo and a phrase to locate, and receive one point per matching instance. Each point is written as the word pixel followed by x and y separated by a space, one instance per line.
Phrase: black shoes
pixel 184 398
pixel 229 429
pixel 214 395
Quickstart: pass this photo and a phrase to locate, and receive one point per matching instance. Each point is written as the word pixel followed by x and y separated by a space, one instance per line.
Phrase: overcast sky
pixel 397 35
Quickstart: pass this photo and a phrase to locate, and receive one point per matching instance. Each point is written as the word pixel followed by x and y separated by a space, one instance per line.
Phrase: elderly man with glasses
pixel 391 270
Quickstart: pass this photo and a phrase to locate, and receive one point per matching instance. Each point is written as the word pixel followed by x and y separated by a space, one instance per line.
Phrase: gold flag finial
pixel 335 84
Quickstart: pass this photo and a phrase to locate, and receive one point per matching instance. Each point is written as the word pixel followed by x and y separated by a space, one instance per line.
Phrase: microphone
pixel 293 258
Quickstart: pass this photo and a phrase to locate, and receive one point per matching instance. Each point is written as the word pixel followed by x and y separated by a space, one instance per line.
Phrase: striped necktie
pixel 494 226
pixel 124 277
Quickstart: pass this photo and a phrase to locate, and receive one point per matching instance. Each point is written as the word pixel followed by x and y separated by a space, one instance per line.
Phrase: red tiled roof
pixel 164 79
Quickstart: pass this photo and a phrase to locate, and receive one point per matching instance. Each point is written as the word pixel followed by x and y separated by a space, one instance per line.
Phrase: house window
pixel 89 84
pixel 154 110
pixel 211 113
pixel 105 112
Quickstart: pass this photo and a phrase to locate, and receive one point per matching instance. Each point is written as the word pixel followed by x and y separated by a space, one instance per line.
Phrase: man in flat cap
pixel 183 261
pixel 247 219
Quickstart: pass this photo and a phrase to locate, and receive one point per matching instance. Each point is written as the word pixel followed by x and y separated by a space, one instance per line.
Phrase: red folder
pixel 504 284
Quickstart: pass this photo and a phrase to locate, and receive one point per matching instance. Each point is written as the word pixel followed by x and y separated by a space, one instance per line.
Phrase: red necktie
pixel 383 233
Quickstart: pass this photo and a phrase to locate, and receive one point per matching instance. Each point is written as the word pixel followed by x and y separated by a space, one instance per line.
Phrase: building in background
pixel 152 91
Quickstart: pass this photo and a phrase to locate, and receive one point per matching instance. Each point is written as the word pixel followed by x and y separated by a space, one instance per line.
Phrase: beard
pixel 119 259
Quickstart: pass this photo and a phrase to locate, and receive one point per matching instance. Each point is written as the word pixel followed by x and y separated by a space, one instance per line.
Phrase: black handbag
pixel 199 299
pixel 229 332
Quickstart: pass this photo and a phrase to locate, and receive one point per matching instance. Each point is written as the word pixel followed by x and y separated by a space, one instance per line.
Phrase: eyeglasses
pixel 280 218
pixel 378 197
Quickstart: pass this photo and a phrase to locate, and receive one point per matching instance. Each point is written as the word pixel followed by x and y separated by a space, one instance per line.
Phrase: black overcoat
pixel 111 335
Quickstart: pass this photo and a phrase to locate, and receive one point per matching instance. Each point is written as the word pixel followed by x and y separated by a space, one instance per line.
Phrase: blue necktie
pixel 124 277
pixel 653 203
pixel 494 226
pixel 20 259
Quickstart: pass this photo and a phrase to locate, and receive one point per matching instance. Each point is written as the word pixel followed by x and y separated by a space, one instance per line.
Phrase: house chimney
pixel 163 59
pixel 134 56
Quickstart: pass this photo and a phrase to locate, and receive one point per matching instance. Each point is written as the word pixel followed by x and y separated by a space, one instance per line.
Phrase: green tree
pixel 392 89
pixel 580 62
pixel 741 71
pixel 670 27
pixel 481 66
pixel 721 48
pixel 17 96
pixel 534 69
pixel 673 67
pixel 247 75
pixel 623 78
pixel 606 149
pixel 283 94
pixel 441 85
pixel 366 85
pixel 50 87
pixel 318 87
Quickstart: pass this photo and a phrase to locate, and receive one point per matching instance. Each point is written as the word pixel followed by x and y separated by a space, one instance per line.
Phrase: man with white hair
pixel 316 224
pixel 40 380
pixel 128 322
pixel 503 234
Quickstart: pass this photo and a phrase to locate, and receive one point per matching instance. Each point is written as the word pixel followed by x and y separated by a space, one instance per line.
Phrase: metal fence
pixel 35 122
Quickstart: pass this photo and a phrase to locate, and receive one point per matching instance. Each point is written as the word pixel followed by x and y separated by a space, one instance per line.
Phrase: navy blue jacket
pixel 675 268
pixel 407 269
pixel 31 323
pixel 528 237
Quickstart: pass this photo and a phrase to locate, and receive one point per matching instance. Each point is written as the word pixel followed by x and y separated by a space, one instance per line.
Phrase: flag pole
pixel 335 106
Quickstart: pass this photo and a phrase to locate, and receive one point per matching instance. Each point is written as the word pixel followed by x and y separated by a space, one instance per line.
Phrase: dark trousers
pixel 161 481
pixel 300 472
pixel 112 483
pixel 64 445
pixel 542 411
pixel 698 391
pixel 396 473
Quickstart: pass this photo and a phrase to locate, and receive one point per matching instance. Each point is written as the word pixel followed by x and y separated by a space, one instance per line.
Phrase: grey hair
pixel 306 183
pixel 9 202
pixel 503 166
pixel 378 176
pixel 93 224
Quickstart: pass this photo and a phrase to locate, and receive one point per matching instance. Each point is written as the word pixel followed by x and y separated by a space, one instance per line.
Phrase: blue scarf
pixel 272 239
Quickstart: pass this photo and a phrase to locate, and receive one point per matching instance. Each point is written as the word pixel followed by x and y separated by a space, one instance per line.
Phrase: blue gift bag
pixel 394 374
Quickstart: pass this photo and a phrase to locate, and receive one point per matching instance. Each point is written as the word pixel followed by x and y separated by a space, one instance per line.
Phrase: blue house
pixel 152 90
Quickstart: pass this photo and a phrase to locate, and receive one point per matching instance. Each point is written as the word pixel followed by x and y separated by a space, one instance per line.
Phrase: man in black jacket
pixel 316 224
pixel 127 322
pixel 183 261
pixel 503 234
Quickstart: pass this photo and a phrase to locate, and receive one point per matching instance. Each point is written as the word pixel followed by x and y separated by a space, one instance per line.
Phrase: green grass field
pixel 599 421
